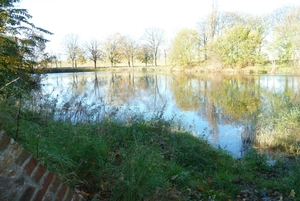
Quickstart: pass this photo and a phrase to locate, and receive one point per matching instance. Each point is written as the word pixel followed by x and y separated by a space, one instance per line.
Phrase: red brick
pixel 27 194
pixel 31 165
pixel 39 173
pixel 70 195
pixel 4 141
pixel 48 180
pixel 22 157
pixel 45 186
pixel 55 184
pixel 48 197
pixel 62 192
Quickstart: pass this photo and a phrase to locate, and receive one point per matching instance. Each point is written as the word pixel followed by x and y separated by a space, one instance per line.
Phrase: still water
pixel 220 108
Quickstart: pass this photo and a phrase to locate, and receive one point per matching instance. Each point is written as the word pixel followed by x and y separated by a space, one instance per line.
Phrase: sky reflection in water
pixel 218 107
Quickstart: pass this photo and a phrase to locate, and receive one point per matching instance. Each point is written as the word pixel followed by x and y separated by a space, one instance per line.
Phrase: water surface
pixel 221 108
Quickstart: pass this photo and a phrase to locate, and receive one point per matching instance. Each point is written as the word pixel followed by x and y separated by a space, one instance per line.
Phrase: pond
pixel 221 108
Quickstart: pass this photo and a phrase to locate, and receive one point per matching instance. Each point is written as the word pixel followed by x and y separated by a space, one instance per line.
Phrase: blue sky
pixel 99 18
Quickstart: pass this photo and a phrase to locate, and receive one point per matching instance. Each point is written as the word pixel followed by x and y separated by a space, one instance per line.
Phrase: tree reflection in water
pixel 222 107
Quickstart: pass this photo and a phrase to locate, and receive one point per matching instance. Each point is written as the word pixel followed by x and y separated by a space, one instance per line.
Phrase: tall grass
pixel 279 127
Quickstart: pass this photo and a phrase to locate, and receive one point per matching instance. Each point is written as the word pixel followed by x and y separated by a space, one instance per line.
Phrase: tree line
pixel 116 48
pixel 220 40
pixel 237 40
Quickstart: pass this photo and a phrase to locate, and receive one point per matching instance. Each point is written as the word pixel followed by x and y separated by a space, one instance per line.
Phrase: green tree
pixel 18 41
pixel 144 55
pixel 239 47
pixel 185 48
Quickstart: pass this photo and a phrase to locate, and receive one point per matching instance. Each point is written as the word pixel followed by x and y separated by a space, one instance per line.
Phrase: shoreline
pixel 246 70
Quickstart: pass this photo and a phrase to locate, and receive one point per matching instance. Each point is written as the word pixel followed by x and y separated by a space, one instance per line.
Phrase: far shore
pixel 246 70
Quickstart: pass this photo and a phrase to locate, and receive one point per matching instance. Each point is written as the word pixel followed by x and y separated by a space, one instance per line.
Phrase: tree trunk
pixel 95 63
pixel 132 61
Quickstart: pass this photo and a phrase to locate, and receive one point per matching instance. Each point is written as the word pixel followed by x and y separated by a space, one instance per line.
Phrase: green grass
pixel 146 160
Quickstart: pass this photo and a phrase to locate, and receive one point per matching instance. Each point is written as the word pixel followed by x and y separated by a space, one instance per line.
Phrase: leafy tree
pixel 145 55
pixel 154 38
pixel 185 48
pixel 18 40
pixel 239 47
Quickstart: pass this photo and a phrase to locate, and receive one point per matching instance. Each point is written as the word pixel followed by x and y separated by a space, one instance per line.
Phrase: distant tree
pixel 113 49
pixel 72 48
pixel 154 38
pixel 129 49
pixel 46 60
pixel 93 49
pixel 285 43
pixel 145 54
pixel 209 27
pixel 239 47
pixel 81 58
pixel 166 47
pixel 185 48
pixel 57 59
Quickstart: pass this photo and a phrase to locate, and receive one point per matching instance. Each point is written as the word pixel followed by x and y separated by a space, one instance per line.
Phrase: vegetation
pixel 131 157
pixel 222 40
pixel 279 127
pixel 151 160
pixel 20 44
pixel 185 48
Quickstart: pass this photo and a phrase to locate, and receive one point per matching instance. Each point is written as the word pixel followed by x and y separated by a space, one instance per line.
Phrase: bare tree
pixel 209 28
pixel 72 48
pixel 154 37
pixel 112 48
pixel 130 49
pixel 93 49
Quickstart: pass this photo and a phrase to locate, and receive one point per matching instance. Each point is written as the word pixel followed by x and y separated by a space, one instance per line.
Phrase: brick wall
pixel 23 178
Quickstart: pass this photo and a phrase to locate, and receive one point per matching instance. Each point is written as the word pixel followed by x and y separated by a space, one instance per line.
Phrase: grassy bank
pixel 146 160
